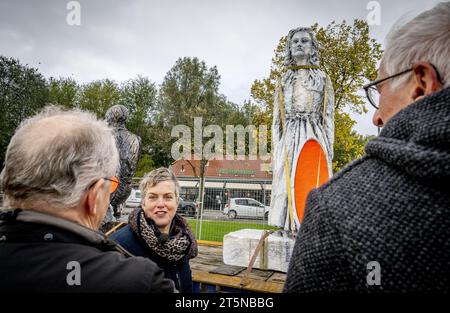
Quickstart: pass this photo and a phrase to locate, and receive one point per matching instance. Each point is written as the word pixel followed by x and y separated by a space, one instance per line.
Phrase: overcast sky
pixel 122 39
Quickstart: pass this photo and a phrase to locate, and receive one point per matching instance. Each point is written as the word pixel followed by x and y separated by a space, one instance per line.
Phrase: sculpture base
pixel 275 253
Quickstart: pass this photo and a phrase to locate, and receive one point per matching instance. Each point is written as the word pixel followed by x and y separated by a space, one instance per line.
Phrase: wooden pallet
pixel 210 274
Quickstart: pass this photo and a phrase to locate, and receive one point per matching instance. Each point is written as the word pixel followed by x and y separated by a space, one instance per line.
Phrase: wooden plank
pixel 257 274
pixel 210 243
pixel 210 249
pixel 210 256
pixel 203 267
pixel 235 282
pixel 229 270
pixel 210 259
pixel 278 277
pixel 206 260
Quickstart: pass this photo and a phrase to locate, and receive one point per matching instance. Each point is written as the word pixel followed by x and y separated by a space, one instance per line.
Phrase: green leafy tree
pixel 139 96
pixel 99 96
pixel 63 92
pixel 349 56
pixel 145 165
pixel 351 144
pixel 191 89
pixel 23 92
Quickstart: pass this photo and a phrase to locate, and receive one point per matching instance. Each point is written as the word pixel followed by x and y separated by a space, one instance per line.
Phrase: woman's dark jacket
pixel 179 272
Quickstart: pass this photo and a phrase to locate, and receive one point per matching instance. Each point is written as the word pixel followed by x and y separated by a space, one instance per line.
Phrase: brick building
pixel 225 179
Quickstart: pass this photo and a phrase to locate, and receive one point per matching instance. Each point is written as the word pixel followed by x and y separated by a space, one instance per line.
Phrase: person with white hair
pixel 57 180
pixel 383 223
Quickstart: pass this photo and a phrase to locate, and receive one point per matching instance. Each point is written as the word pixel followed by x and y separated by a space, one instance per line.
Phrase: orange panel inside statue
pixel 311 172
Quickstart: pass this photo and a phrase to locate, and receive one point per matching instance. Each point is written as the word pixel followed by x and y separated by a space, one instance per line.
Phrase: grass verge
pixel 215 230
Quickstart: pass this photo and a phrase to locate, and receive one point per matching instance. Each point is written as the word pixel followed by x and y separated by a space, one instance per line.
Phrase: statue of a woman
pixel 303 112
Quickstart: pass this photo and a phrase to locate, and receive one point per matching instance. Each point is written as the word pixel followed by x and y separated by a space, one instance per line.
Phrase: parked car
pixel 134 200
pixel 186 207
pixel 245 207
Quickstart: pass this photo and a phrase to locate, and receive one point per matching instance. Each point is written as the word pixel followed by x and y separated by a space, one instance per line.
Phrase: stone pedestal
pixel 275 253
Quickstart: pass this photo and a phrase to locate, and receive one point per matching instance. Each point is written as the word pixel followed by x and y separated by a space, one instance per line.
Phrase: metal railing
pixel 228 205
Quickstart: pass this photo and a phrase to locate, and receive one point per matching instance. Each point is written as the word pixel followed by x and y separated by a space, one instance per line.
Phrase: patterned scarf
pixel 181 241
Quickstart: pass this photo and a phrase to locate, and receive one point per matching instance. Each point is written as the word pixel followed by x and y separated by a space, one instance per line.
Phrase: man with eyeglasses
pixel 57 180
pixel 383 223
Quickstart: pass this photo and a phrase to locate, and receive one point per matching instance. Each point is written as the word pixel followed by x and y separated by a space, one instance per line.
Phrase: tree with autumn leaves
pixel 349 56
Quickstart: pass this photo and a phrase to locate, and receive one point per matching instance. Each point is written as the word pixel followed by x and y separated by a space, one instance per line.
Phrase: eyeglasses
pixel 372 92
pixel 114 183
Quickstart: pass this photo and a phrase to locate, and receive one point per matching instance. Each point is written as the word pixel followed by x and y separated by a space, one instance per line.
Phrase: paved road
pixel 208 215
pixel 219 216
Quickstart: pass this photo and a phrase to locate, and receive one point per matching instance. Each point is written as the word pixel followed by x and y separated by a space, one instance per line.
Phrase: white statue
pixel 303 111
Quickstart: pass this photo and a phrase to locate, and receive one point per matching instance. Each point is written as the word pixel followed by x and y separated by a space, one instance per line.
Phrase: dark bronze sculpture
pixel 129 146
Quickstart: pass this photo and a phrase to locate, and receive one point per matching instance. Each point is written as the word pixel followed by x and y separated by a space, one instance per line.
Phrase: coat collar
pixel 417 139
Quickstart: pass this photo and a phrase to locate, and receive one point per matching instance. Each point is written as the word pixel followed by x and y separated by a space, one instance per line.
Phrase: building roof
pixel 216 168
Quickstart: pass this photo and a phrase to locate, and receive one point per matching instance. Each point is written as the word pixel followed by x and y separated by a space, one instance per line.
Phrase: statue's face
pixel 301 45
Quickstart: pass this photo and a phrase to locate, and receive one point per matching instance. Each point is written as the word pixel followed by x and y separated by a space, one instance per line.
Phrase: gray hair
pixel 157 176
pixel 424 38
pixel 313 59
pixel 55 156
